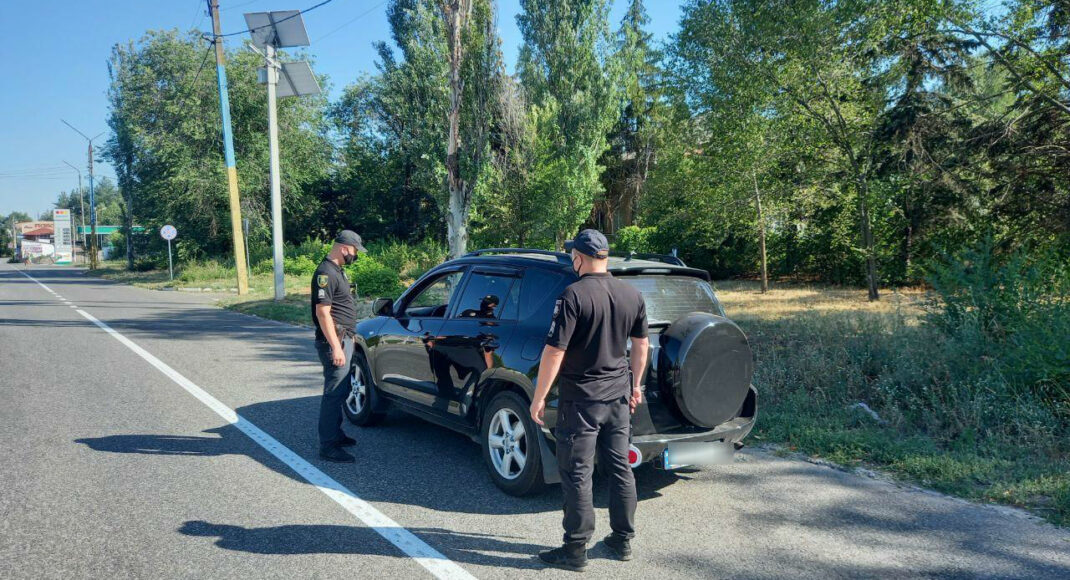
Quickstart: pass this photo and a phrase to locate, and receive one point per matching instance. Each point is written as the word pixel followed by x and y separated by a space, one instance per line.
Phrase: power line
pixel 299 12
pixel 348 22
pixel 221 9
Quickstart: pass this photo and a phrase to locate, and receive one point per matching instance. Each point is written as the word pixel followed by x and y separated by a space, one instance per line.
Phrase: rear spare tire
pixel 705 368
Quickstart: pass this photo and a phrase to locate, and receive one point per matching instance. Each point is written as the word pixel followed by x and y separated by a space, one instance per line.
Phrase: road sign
pixel 168 233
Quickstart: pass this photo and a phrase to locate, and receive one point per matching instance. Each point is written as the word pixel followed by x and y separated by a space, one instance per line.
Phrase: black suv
pixel 461 348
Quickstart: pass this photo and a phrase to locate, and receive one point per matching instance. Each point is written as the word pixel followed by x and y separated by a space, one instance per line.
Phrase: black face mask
pixel 576 264
pixel 349 258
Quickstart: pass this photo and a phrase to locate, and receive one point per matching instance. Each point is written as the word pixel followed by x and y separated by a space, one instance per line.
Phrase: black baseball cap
pixel 350 238
pixel 591 243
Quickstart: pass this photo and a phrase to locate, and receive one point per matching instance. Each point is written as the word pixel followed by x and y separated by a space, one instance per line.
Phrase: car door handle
pixel 488 341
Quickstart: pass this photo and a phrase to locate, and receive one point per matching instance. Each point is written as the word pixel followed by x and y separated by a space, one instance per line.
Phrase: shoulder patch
pixel 321 280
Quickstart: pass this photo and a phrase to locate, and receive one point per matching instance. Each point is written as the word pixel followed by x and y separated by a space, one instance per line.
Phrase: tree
pixel 569 81
pixel 633 139
pixel 474 72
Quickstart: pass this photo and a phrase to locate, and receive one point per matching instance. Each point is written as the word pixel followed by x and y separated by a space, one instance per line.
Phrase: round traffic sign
pixel 168 232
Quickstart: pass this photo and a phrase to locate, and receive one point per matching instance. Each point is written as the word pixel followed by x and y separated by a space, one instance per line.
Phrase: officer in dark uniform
pixel 587 348
pixel 334 313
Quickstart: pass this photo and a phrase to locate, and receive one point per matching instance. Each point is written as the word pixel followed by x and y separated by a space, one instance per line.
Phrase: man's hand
pixel 338 356
pixel 637 397
pixel 538 407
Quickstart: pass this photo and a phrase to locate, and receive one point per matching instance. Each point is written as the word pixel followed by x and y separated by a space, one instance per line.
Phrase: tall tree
pixel 569 79
pixel 474 78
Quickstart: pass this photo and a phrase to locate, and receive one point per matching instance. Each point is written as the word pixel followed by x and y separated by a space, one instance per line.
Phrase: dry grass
pixel 743 300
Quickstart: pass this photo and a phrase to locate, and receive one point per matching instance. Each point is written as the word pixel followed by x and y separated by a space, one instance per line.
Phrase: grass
pixel 210 277
pixel 819 351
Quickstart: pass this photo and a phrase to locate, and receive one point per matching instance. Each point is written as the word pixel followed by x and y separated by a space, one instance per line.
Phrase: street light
pixel 92 200
pixel 81 203
pixel 271 31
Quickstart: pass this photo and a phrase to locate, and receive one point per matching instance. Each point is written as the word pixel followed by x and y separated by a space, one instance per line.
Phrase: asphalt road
pixel 112 469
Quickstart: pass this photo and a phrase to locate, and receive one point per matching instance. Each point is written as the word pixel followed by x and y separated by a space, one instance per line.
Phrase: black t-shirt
pixel 593 319
pixel 330 286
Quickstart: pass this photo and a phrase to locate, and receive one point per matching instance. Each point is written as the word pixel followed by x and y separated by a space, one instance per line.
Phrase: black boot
pixel 336 455
pixel 346 441
pixel 619 547
pixel 566 557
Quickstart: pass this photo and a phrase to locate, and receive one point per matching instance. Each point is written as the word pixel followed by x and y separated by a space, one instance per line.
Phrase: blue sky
pixel 55 58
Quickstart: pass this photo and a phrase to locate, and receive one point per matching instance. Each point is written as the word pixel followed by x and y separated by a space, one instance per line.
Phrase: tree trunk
pixel 867 240
pixel 761 233
pixel 456 16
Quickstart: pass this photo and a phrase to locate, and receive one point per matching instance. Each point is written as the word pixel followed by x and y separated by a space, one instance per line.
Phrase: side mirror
pixel 383 307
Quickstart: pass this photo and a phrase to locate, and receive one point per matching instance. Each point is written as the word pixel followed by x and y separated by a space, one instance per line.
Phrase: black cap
pixel 350 238
pixel 591 243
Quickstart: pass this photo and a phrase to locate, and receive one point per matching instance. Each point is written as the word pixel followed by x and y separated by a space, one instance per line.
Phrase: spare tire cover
pixel 709 367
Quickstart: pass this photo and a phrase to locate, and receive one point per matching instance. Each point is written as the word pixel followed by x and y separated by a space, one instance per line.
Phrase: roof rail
pixel 663 258
pixel 561 257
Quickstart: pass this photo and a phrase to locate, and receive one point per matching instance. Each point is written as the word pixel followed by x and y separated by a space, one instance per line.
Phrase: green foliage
pixel 373 278
pixel 637 239
pixel 1012 309
pixel 299 266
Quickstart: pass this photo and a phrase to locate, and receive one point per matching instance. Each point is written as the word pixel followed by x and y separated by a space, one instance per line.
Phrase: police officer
pixel 598 390
pixel 334 313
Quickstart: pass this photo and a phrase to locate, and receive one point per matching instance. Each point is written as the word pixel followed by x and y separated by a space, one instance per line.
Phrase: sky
pixel 55 68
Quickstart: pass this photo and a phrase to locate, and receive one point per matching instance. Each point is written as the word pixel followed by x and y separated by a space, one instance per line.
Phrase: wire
pixel 221 9
pixel 299 12
pixel 348 22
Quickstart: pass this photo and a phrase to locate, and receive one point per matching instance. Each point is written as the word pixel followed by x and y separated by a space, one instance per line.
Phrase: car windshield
pixel 670 297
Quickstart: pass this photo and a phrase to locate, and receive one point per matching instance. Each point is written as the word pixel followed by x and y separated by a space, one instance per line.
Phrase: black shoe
pixel 336 455
pixel 619 547
pixel 346 441
pixel 565 558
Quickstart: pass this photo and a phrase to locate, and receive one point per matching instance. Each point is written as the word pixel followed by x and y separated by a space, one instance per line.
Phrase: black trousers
pixel 335 391
pixel 582 428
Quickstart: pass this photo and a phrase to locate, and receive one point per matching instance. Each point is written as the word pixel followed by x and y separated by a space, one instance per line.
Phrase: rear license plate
pixel 697 454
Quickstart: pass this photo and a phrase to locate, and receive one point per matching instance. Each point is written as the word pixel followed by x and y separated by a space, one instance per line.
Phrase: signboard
pixel 105 230
pixel 168 232
pixel 64 239
pixel 35 249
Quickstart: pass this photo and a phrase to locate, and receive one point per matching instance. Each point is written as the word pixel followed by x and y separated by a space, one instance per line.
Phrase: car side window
pixel 484 296
pixel 540 287
pixel 433 301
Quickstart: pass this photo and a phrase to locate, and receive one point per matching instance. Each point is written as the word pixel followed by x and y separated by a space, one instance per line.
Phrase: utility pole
pixel 92 200
pixel 81 203
pixel 276 191
pixel 228 150
pixel 272 31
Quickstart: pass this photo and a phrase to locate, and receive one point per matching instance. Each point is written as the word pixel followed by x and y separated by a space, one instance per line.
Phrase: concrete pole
pixel 276 193
pixel 228 151
pixel 92 214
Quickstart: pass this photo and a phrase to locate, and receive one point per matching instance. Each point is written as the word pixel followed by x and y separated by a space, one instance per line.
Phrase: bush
pixel 1011 309
pixel 636 239
pixel 300 265
pixel 206 271
pixel 373 278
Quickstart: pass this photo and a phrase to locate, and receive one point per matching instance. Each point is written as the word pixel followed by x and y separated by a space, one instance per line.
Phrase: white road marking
pixel 406 541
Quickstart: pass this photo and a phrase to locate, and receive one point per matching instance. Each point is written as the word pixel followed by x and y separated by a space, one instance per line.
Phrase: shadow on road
pixel 332 539
pixel 403 460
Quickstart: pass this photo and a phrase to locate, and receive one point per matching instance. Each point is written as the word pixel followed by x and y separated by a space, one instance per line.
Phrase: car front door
pixel 469 342
pixel 402 361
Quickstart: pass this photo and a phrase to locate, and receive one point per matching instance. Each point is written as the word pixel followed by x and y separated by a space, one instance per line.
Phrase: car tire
pixel 511 446
pixel 360 402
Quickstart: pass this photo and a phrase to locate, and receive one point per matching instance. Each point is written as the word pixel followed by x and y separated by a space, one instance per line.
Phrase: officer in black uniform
pixel 334 313
pixel 598 390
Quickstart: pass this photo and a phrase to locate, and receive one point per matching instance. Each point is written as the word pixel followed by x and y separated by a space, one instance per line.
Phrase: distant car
pixel 461 348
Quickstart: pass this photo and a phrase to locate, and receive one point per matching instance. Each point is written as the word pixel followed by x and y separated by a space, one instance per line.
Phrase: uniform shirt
pixel 593 319
pixel 330 286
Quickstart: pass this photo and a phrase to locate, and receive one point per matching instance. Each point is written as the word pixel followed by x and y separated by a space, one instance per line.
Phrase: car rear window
pixel 670 297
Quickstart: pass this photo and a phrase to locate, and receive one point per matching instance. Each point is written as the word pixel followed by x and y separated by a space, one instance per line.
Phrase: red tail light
pixel 635 457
